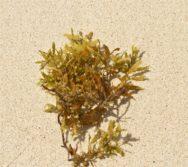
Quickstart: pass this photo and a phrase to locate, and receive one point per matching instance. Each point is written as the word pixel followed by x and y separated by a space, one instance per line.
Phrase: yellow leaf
pixel 72 37
pixel 96 137
pixel 43 54
pixel 134 67
pixel 145 69
pixel 139 78
pixel 94 43
pixel 135 50
pixel 111 126
pixel 132 87
pixel 119 151
pixel 121 61
pixel 90 35
pixel 50 108
pixel 107 51
pixel 53 47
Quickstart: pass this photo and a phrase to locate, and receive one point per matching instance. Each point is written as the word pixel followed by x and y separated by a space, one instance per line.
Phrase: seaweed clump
pixel 90 82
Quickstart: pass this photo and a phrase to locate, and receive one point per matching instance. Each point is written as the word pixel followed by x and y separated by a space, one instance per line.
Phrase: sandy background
pixel 31 138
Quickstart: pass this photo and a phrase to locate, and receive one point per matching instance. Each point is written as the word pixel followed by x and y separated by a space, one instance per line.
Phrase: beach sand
pixel 159 115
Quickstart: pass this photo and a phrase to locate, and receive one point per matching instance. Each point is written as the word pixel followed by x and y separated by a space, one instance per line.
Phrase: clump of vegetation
pixel 90 82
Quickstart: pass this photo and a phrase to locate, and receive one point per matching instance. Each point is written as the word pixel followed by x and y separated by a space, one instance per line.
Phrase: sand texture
pixel 159 116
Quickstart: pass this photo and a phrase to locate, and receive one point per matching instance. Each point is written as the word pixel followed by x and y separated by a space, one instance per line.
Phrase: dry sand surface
pixel 159 116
